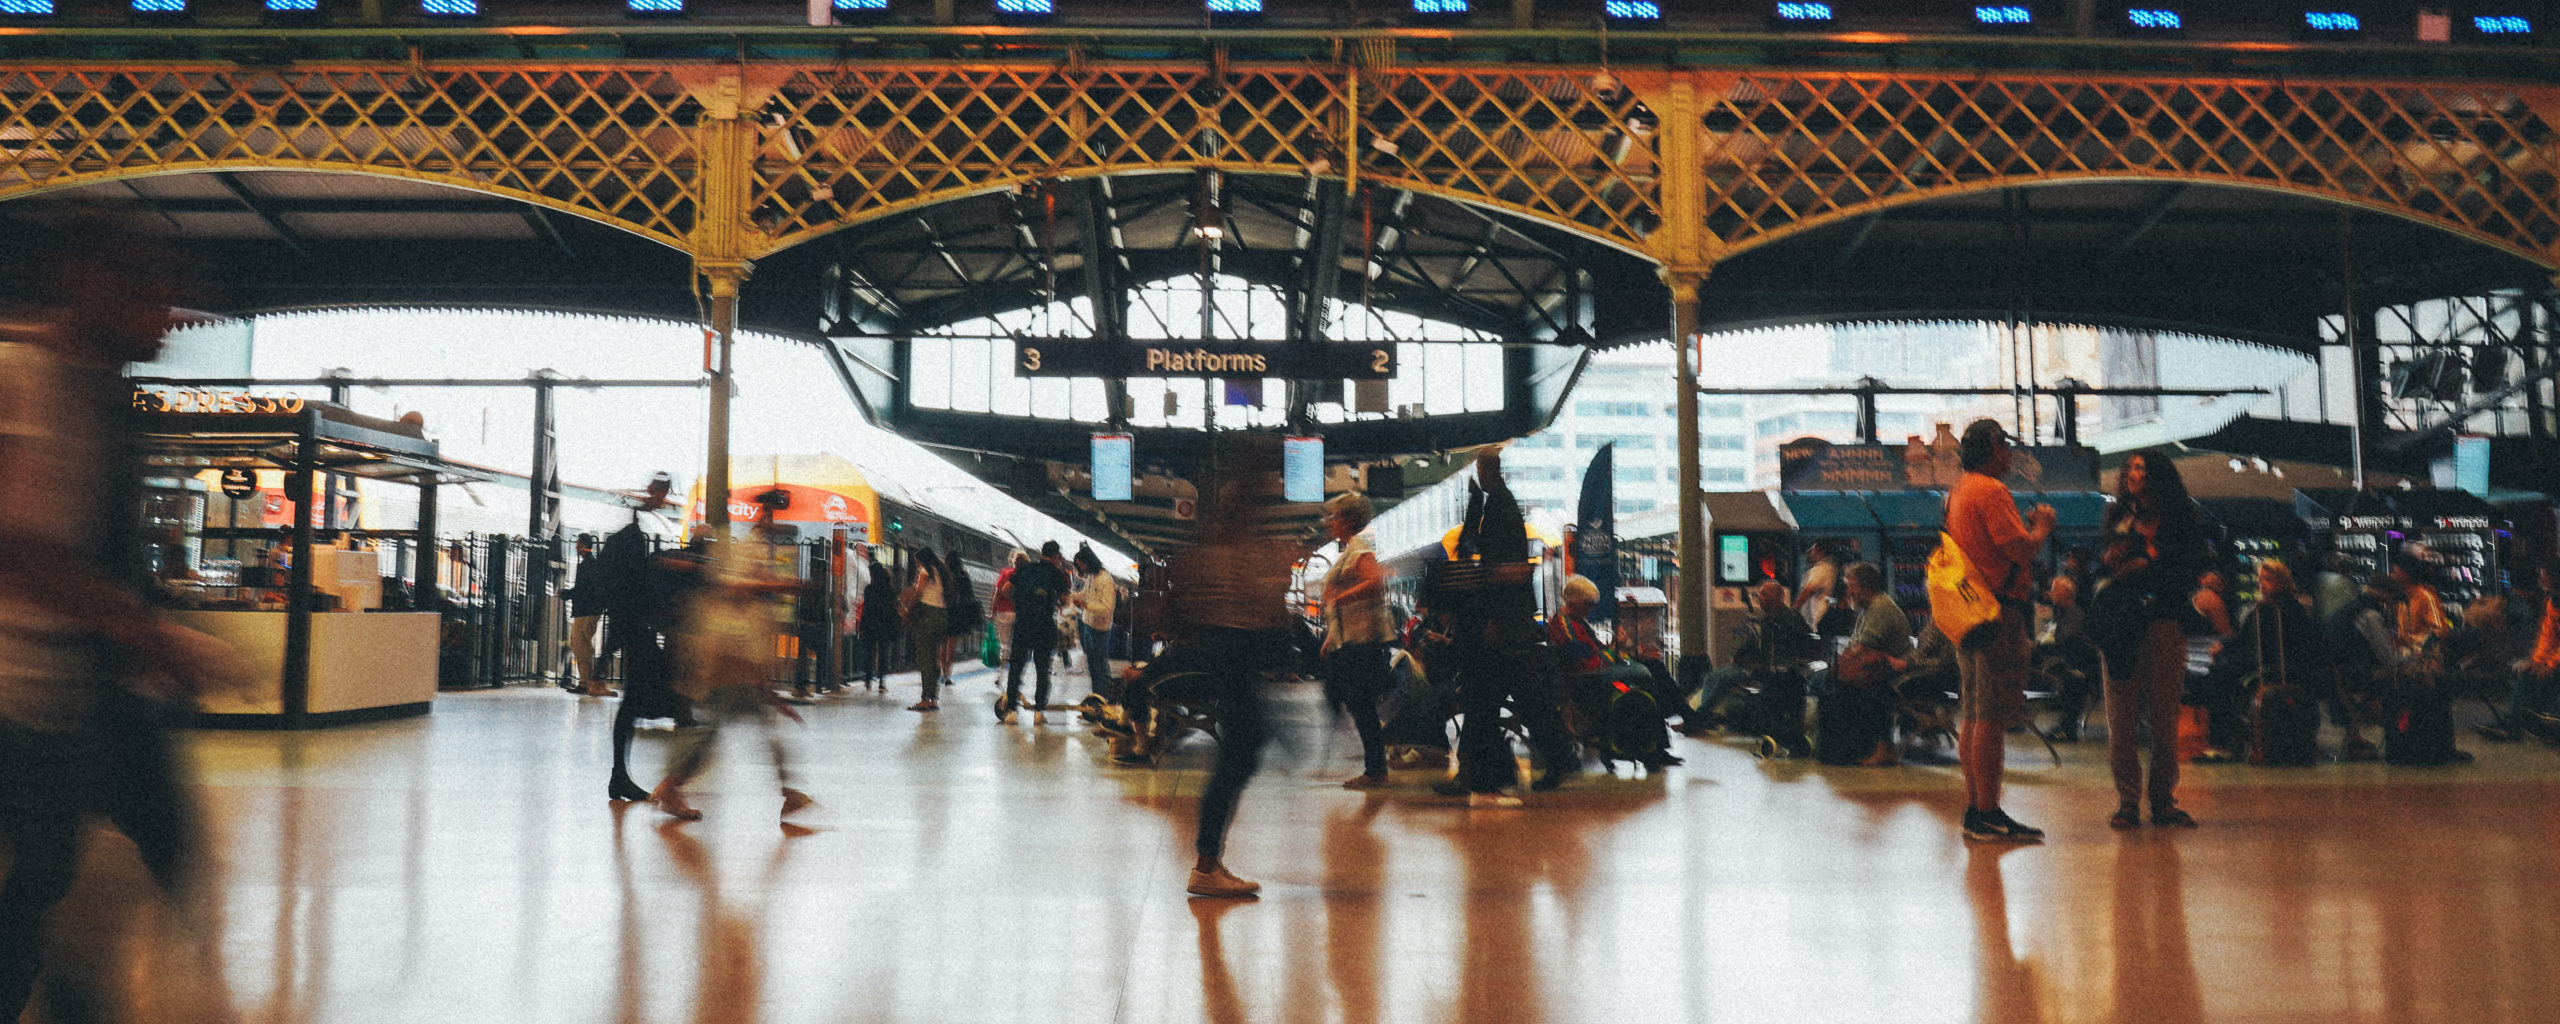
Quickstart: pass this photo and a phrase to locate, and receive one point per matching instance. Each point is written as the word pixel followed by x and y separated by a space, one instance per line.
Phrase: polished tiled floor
pixel 466 867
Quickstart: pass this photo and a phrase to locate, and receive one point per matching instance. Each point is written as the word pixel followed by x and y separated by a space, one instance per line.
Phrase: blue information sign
pixel 1111 458
pixel 1302 468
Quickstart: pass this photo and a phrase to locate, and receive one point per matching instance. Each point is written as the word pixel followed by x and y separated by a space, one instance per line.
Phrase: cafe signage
pixel 1813 464
pixel 234 403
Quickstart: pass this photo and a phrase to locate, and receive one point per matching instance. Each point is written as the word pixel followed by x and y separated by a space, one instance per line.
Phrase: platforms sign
pixel 1086 357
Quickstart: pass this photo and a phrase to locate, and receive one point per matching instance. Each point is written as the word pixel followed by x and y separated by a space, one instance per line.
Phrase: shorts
pixel 1992 671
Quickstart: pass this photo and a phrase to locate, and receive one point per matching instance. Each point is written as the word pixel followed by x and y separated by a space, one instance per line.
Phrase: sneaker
pixel 794 801
pixel 925 705
pixel 1364 782
pixel 1004 709
pixel 1495 799
pixel 1222 884
pixel 2017 829
pixel 1985 827
pixel 2171 816
pixel 2126 818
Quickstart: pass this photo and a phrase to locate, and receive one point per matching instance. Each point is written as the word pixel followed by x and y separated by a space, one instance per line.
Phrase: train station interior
pixel 454 282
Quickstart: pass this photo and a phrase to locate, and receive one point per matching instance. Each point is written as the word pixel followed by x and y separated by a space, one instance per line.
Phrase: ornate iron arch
pixel 1787 153
pixel 842 146
pixel 616 145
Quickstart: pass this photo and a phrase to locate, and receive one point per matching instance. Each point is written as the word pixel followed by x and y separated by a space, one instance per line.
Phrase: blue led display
pixel 450 8
pixel 1040 8
pixel 1793 11
pixel 2153 18
pixel 2009 14
pixel 2331 21
pixel 1632 10
pixel 862 6
pixel 26 6
pixel 159 6
pixel 654 6
pixel 1235 6
pixel 292 6
pixel 2505 25
pixel 1439 6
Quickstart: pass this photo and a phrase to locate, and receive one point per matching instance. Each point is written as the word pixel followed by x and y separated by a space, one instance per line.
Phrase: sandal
pixel 2125 817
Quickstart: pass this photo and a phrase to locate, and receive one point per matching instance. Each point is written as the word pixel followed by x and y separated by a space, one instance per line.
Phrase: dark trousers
pixel 51 782
pixel 1355 676
pixel 1489 678
pixel 1232 657
pixel 1035 645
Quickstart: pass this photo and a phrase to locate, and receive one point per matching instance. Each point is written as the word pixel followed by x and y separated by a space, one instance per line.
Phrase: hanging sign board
pixel 1085 357
pixel 1111 466
pixel 239 483
pixel 228 402
pixel 1302 468
pixel 1812 464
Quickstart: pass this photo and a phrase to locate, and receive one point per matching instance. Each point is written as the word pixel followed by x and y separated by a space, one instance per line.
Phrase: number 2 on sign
pixel 1030 360
pixel 1378 360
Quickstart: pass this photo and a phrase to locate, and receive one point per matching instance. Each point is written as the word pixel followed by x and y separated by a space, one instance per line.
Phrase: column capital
pixel 725 274
pixel 1685 279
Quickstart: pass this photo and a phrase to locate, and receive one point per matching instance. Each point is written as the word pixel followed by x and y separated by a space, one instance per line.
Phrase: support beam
pixel 725 280
pixel 1691 601
pixel 1105 287
pixel 250 201
pixel 2150 219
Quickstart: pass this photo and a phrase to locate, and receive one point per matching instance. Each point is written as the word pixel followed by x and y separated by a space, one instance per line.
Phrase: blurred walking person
pixel 876 627
pixel 725 664
pixel 1101 602
pixel 1231 605
pixel 84 662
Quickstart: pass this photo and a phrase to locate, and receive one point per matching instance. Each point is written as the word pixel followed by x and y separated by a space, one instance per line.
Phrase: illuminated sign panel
pixel 1084 357
pixel 450 8
pixel 654 7
pixel 1795 11
pixel 1302 468
pixel 2501 25
pixel 2154 19
pixel 1112 455
pixel 1231 8
pixel 2331 21
pixel 159 6
pixel 25 8
pixel 1025 8
pixel 1632 10
pixel 1439 8
pixel 2004 16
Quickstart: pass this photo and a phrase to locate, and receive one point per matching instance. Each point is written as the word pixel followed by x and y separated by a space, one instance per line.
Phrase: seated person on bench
pixel 1586 666
pixel 1775 649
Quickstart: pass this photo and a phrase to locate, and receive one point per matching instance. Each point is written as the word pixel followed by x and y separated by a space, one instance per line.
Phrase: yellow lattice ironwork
pixel 1785 152
pixel 614 144
pixel 855 144
pixel 835 145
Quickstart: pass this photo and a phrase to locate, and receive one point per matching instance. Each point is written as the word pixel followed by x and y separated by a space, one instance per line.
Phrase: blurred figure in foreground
pixel 84 663
pixel 725 659
pixel 1231 599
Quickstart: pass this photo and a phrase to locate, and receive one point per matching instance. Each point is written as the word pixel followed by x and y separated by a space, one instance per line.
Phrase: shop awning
pixel 1745 512
pixel 2256 517
pixel 1817 511
pixel 1909 511
pixel 2072 510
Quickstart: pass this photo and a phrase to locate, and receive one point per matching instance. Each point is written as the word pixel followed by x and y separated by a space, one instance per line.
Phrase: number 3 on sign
pixel 1378 360
pixel 1030 360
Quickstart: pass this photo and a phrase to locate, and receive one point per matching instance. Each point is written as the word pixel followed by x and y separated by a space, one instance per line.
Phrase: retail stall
pixel 2460 540
pixel 257 539
pixel 1750 540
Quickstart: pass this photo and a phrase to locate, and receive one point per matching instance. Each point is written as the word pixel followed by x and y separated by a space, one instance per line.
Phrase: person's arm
pixel 1361 578
pixel 2378 636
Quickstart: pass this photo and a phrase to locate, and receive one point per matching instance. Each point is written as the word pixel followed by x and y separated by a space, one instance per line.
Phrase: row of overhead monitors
pixel 2384 21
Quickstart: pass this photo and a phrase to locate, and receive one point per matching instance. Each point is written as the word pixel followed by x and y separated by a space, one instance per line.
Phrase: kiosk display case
pixel 286 574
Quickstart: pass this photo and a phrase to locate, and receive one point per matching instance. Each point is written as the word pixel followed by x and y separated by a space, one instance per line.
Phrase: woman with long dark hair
pixel 927 620
pixel 2156 549
pixel 967 618
pixel 877 630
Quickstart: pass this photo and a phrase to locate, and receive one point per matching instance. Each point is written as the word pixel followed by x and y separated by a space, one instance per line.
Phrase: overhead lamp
pixel 1439 12
pixel 2003 18
pixel 653 8
pixel 2499 28
pixel 1632 13
pixel 1802 14
pixel 293 12
pixel 857 12
pixel 1231 12
pixel 1025 12
pixel 2154 22
pixel 2330 24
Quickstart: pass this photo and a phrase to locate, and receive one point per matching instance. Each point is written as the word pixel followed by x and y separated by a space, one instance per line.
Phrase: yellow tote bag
pixel 1959 601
